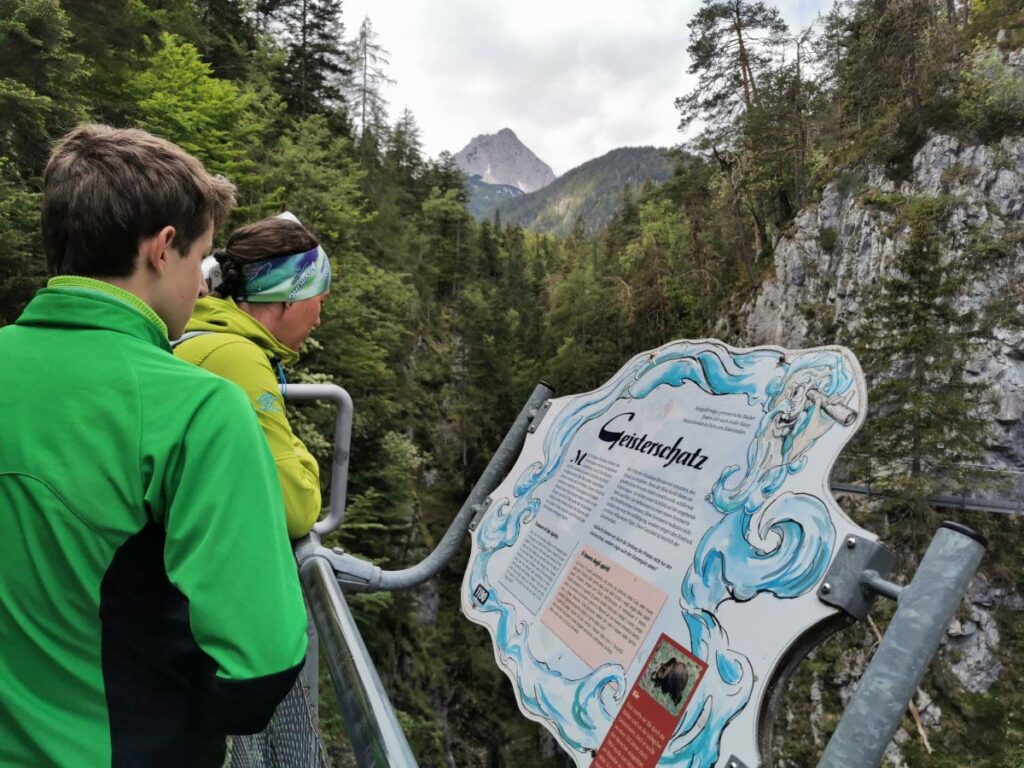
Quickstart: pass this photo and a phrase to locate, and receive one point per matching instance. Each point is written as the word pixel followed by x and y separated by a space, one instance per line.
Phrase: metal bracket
pixel 352 573
pixel 734 762
pixel 843 586
pixel 538 417
pixel 478 512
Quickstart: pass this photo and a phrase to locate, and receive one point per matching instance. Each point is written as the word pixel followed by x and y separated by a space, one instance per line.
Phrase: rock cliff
pixel 826 267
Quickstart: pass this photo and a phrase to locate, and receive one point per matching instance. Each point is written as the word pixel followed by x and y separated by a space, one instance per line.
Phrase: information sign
pixel 655 552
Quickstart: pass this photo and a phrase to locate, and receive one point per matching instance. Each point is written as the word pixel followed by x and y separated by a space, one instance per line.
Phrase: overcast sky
pixel 573 78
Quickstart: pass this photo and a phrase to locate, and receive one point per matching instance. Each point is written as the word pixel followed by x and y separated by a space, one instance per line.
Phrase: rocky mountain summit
pixel 501 158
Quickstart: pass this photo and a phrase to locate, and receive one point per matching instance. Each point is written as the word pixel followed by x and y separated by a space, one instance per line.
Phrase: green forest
pixel 439 326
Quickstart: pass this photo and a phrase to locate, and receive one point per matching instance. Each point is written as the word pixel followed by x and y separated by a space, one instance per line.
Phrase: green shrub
pixel 828 239
pixel 991 92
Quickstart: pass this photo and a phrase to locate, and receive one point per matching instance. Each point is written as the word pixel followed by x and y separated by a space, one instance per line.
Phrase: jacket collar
pixel 225 316
pixel 82 302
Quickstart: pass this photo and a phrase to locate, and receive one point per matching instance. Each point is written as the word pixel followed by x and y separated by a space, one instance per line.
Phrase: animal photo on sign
pixel 670 676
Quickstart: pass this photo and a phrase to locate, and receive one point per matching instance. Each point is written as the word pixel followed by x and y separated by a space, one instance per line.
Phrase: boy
pixel 149 602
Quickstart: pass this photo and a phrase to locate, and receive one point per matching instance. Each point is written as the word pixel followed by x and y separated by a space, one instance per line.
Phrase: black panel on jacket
pixel 165 703
pixel 153 669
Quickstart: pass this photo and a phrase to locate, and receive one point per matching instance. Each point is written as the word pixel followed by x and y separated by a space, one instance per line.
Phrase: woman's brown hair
pixel 261 240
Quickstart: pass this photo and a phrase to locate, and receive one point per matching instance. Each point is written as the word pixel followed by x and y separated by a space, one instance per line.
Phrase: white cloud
pixel 573 78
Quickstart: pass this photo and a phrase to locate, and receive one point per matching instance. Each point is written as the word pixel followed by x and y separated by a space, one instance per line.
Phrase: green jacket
pixel 149 602
pixel 239 348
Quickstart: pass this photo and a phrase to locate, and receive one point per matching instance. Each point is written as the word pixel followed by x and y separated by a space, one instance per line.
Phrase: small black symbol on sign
pixel 480 594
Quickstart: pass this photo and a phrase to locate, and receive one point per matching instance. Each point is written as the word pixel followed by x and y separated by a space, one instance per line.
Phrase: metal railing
pixel 992 489
pixel 369 717
pixel 342 445
pixel 925 607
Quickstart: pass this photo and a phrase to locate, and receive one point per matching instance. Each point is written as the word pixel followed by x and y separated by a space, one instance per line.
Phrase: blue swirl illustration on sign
pixel 766 540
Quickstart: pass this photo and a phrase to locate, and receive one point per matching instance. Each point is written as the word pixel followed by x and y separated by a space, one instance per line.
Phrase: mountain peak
pixel 501 158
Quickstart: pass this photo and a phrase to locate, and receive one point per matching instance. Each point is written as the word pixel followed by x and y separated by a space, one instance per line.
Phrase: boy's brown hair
pixel 107 189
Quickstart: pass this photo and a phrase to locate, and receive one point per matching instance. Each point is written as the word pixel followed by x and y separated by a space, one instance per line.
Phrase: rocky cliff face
pixel 830 262
pixel 825 270
pixel 501 158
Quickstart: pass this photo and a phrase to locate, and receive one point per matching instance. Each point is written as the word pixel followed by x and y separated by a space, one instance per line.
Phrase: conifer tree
pixel 176 96
pixel 729 49
pixel 444 174
pixel 22 266
pixel 311 172
pixel 227 34
pixel 927 421
pixel 111 38
pixel 403 154
pixel 37 90
pixel 317 68
pixel 890 73
pixel 369 61
pixel 38 101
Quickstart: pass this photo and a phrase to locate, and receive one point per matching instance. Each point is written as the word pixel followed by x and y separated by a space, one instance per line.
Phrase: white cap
pixel 212 273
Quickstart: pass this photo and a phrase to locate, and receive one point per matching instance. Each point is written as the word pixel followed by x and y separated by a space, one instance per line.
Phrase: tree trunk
pixel 305 59
pixel 915 93
pixel 746 75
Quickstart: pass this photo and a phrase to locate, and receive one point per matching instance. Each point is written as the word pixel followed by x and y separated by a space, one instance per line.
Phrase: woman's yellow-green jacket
pixel 234 345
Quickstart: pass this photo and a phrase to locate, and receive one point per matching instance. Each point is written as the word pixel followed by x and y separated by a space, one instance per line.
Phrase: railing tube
pixel 374 732
pixel 493 474
pixel 926 606
pixel 342 445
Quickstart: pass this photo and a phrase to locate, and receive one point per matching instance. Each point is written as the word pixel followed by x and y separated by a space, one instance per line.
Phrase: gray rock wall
pixel 825 270
pixel 831 261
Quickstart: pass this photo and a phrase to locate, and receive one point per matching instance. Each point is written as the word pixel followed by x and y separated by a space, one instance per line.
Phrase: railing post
pixel 342 445
pixel 926 606
pixel 371 724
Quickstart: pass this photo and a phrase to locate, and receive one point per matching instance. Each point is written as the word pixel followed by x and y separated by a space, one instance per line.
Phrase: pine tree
pixel 369 61
pixel 176 96
pixel 37 91
pixel 403 154
pixel 38 102
pixel 111 38
pixel 22 266
pixel 730 51
pixel 890 74
pixel 228 33
pixel 311 172
pixel 927 421
pixel 728 55
pixel 317 68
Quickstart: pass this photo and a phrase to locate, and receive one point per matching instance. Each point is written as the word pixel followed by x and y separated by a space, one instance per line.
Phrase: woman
pixel 268 285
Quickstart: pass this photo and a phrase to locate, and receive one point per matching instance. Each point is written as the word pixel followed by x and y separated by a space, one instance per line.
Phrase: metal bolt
pixel 826 588
pixel 733 764
pixel 851 543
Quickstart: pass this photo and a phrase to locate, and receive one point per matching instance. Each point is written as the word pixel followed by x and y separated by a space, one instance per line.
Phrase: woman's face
pixel 298 320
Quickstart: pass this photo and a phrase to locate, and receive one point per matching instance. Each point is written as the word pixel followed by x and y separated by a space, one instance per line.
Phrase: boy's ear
pixel 155 250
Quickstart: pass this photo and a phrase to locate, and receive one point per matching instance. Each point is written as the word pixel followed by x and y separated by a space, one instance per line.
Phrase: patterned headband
pixel 286 278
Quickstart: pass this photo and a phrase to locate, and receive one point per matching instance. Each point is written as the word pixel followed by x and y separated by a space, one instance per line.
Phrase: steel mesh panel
pixel 291 740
